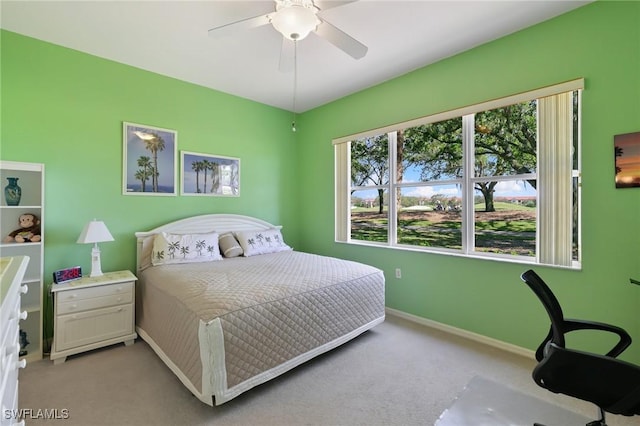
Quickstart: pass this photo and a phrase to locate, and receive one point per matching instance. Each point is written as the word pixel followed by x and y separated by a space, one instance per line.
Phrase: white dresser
pixel 93 312
pixel 12 271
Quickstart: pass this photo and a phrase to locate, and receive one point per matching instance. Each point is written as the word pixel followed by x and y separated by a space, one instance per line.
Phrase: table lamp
pixel 95 232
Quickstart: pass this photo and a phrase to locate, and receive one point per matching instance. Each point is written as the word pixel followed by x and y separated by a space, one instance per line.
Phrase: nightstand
pixel 93 312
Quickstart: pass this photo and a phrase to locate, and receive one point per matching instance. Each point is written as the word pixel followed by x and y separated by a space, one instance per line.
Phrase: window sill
pixel 522 260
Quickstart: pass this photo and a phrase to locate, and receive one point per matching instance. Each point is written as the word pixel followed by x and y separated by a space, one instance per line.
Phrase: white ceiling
pixel 170 38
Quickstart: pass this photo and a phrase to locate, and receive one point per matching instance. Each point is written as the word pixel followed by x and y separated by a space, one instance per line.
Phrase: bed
pixel 225 324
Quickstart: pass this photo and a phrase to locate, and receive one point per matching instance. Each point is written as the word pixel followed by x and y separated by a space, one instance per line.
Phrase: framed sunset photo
pixel 627 160
pixel 149 160
pixel 209 175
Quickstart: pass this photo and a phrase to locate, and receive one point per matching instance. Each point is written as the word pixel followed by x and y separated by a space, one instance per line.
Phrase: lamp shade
pixel 295 22
pixel 95 232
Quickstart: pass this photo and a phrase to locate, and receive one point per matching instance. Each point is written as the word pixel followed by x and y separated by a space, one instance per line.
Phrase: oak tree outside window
pixel 498 179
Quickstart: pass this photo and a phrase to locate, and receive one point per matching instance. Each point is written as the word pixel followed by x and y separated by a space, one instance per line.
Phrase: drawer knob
pixel 23 315
pixel 22 363
pixel 24 289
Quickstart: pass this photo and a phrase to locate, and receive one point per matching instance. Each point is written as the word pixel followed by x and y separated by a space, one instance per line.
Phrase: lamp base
pixel 96 268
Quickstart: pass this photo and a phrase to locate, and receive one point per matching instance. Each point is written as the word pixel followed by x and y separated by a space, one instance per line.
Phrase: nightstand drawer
pixel 80 305
pixel 91 292
pixel 84 328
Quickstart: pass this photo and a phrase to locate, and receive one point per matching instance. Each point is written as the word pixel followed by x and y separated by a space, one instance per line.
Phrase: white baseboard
pixel 508 347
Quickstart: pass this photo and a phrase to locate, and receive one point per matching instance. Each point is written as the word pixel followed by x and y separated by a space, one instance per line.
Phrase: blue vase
pixel 12 192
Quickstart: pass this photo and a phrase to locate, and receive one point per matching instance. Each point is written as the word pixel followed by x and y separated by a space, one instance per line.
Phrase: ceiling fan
pixel 295 19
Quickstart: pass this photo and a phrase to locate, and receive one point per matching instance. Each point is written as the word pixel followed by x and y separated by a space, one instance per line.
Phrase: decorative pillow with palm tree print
pixel 261 242
pixel 185 248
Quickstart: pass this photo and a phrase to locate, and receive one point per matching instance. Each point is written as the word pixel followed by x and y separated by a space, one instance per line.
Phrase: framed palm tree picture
pixel 209 175
pixel 149 160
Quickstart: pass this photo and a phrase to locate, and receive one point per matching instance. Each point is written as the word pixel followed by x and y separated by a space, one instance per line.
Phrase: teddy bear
pixel 29 231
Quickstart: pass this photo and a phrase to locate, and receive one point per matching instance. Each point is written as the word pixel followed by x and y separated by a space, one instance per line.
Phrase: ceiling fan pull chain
pixel 295 82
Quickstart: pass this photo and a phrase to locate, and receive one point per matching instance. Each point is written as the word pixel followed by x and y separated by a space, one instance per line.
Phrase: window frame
pixel 343 179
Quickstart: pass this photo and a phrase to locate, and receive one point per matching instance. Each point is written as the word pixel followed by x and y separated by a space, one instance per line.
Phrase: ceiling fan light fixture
pixel 295 22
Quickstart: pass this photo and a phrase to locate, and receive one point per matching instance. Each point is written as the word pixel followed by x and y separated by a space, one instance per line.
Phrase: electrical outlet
pixel 398 273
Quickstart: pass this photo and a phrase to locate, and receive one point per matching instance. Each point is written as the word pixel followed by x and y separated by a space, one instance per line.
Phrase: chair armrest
pixel 543 345
pixel 623 343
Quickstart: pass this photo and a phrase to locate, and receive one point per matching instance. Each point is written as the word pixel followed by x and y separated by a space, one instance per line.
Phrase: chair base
pixel 593 423
pixel 600 422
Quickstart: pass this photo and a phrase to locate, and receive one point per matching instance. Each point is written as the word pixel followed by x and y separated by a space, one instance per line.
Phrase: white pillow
pixel 185 248
pixel 261 242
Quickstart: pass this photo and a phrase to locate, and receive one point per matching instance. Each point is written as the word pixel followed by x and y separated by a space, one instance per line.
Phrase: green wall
pixel 600 42
pixel 65 109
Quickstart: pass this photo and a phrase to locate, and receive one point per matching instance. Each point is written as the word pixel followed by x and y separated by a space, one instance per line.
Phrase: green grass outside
pixel 510 230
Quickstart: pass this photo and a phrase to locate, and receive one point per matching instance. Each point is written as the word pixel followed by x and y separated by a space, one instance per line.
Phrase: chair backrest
pixel 550 303
pixel 612 384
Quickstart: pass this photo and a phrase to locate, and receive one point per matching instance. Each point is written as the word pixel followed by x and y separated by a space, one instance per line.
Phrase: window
pixel 500 180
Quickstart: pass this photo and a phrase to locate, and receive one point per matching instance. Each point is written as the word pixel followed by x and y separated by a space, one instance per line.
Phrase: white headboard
pixel 219 223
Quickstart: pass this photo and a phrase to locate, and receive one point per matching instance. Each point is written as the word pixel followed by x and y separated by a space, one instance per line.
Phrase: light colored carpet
pixel 399 373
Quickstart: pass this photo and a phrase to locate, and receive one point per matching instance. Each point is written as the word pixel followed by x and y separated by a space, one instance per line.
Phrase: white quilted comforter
pixel 224 327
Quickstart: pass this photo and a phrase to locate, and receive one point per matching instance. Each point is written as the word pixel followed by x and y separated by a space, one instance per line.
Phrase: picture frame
pixel 209 175
pixel 627 160
pixel 145 149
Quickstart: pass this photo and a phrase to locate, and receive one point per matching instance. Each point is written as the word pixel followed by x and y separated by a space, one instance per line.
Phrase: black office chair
pixel 611 384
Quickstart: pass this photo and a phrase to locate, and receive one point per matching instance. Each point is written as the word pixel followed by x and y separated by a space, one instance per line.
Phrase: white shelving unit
pixel 31 180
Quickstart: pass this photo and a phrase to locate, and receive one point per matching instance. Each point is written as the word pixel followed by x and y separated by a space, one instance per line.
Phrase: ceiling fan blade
pixel 329 4
pixel 341 40
pixel 287 55
pixel 245 24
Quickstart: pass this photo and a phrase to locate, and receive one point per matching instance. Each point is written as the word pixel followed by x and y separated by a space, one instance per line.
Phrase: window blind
pixel 555 197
